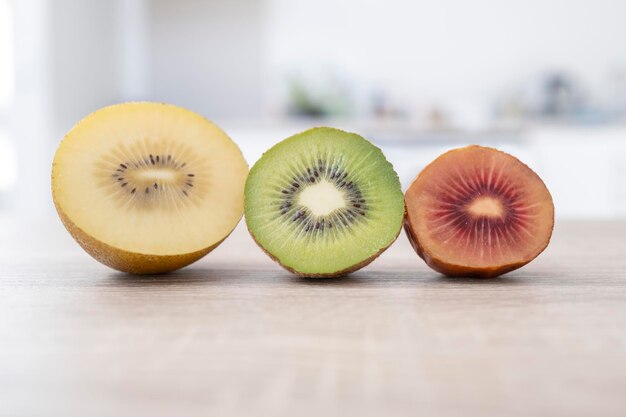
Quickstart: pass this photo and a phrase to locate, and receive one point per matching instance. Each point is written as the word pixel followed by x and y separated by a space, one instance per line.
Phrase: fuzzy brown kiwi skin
pixel 337 274
pixel 454 270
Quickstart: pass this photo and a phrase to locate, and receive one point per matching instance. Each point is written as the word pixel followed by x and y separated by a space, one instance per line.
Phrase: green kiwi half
pixel 323 202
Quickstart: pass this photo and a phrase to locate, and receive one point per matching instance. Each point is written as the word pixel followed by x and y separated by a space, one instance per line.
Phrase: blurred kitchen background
pixel 544 80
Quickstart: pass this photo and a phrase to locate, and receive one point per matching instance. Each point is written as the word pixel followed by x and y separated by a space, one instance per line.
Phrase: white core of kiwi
pixel 486 206
pixel 322 198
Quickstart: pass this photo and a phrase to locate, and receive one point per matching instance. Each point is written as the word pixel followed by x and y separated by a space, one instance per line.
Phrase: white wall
pixel 85 61
pixel 208 56
pixel 457 51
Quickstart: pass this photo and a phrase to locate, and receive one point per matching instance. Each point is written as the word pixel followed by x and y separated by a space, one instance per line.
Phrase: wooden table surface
pixel 236 335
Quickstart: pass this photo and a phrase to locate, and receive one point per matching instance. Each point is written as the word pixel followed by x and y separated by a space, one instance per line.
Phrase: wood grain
pixel 235 335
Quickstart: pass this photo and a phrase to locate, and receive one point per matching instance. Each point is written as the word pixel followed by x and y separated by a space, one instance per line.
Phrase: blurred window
pixel 6 55
pixel 8 157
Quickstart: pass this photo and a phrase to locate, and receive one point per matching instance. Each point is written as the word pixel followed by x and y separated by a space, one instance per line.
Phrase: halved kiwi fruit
pixel 477 211
pixel 148 187
pixel 323 202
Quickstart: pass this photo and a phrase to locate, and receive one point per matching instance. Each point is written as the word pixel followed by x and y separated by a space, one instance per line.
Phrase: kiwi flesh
pixel 148 187
pixel 323 203
pixel 477 211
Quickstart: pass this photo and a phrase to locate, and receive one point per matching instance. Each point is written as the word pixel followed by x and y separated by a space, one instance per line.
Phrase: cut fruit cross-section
pixel 477 211
pixel 323 203
pixel 148 187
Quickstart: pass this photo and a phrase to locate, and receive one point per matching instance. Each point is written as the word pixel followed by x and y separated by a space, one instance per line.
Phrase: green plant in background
pixel 318 98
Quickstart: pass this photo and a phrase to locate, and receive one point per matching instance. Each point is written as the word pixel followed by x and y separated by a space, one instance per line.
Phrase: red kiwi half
pixel 477 211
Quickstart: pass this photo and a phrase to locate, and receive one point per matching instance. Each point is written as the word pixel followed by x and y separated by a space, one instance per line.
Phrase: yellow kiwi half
pixel 148 187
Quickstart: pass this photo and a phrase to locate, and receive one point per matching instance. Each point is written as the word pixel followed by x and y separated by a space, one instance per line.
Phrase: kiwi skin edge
pixel 452 270
pixel 130 262
pixel 336 274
